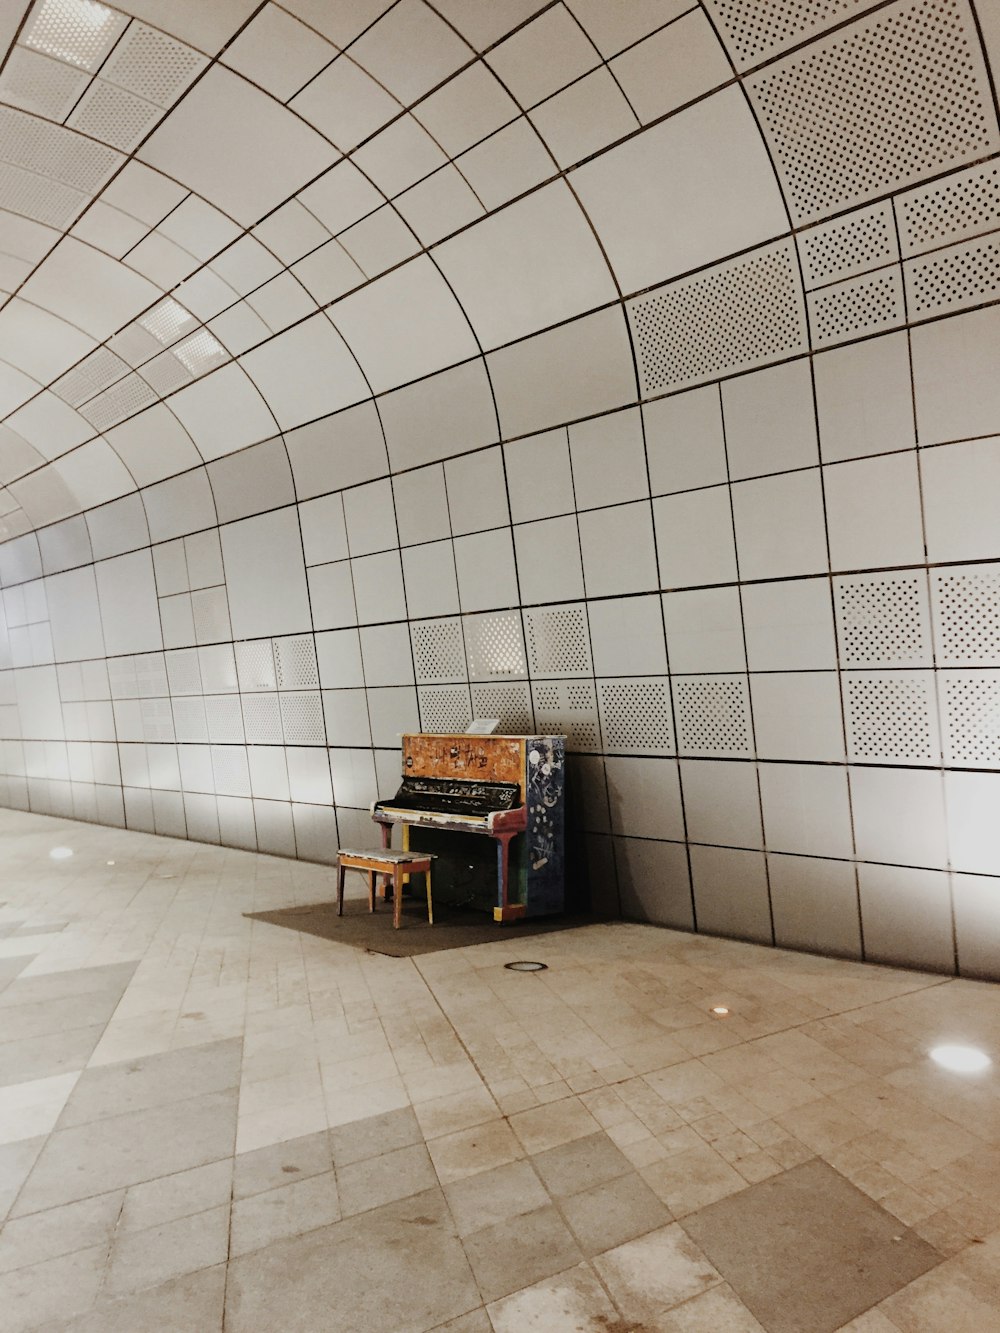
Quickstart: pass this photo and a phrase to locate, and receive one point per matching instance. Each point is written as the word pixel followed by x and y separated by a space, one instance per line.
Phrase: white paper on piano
pixel 482 726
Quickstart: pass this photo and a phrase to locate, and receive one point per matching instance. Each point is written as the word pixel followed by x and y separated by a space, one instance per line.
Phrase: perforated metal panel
pixel 971 705
pixel 121 677
pixel 870 304
pixel 758 29
pixel 68 157
pixel 167 321
pixel 558 640
pixel 39 198
pixel 35 83
pixel 165 373
pixel 224 717
pixel 255 665
pixel 201 352
pixel 713 715
pixel 114 116
pixel 567 708
pixel 134 344
pixel 121 401
pixel 511 703
pixel 152 65
pixel 302 718
pixel 190 724
pixel 262 719
pixel 81 32
pixel 740 314
pixel 157 720
pixel 966 607
pixel 184 671
pixel 964 275
pixel 438 651
pixel 494 646
pixel 295 662
pixel 848 246
pixel 229 765
pixel 891 716
pixel 94 373
pixel 916 74
pixel 444 708
pixel 965 204
pixel 635 715
pixel 150 675
pixel 883 620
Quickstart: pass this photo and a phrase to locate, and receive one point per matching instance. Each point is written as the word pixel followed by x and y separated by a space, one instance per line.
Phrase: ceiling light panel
pixel 37 83
pixel 201 352
pixel 167 321
pixel 80 32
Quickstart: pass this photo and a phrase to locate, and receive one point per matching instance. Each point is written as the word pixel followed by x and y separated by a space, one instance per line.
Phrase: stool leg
pixel 371 890
pixel 397 895
pixel 340 890
pixel 430 900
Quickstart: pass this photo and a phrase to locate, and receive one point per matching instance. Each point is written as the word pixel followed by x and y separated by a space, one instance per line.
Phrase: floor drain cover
pixel 526 967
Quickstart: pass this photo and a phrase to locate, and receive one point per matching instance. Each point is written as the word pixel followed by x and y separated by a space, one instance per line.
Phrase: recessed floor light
pixel 961 1059
pixel 61 853
pixel 719 1010
pixel 526 967
pixel 110 863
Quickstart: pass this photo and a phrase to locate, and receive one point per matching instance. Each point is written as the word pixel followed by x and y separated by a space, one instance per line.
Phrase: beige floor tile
pixel 147 1258
pixel 548 1126
pixel 572 1302
pixel 457 1110
pixel 687 1181
pixel 495 1196
pixel 655 1272
pixel 470 1151
pixel 716 1311
pixel 59 1231
pixel 53 1290
pixel 164 1200
pixel 289 1210
pixel 192 1303
pixel 281 1163
pixel 520 1251
pixel 612 1213
pixel 384 1179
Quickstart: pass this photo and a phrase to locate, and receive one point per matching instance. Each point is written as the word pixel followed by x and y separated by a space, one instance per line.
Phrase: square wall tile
pixel 864 398
pixel 730 893
pixel 265 575
pixel 618 550
pixel 331 590
pixel 973 825
pixel 780 528
pixel 815 905
pixel 906 917
pixel 626 635
pixel 393 712
pixel 721 802
pixel 378 587
pixel 960 485
pixel 421 503
pixel 549 566
pixel 653 882
pixel 704 630
pixel 609 460
pixel 954 376
pixel 797 715
pixel 806 809
pixel 346 714
pixel 430 579
pixel 685 441
pixel 339 655
pixel 899 816
pixel 770 420
pixel 477 492
pixel 694 538
pixel 873 512
pixel 387 655
pixel 486 571
pixel 644 798
pixel 324 531
pixel 977 925
pixel 353 773
pixel 789 625
pixel 370 517
pixel 539 477
pixel 204 559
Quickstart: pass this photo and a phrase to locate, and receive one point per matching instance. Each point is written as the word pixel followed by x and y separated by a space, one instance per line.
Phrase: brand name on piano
pixel 458 757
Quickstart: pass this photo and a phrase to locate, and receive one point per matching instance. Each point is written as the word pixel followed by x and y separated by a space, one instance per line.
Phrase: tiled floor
pixel 212 1122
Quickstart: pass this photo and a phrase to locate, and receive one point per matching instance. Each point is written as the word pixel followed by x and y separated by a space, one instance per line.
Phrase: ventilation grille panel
pixel 951 210
pixel 184 671
pixel 511 703
pixel 857 307
pixel 302 718
pixel 225 718
pixel 39 198
pixel 713 715
pixel 165 373
pixel 758 29
pixel 876 106
pixel 966 606
pixel 444 709
pixel 81 32
pixel 122 400
pixel 295 659
pixel 494 645
pixel 69 158
pixel 255 665
pixel 558 641
pixel 262 719
pixel 567 708
pixel 152 65
pixel 438 653
pixel 35 83
pixel 189 719
pixel 93 374
pixel 742 313
pixel 114 116
pixel 635 715
pixel 971 718
pixel 954 279
pixel 849 246
pixel 883 620
pixel 891 717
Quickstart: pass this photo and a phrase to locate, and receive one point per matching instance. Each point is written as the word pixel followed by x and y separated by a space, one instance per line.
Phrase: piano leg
pixel 505 911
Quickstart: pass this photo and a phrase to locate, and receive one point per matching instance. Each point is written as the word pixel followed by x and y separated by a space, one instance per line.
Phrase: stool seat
pixel 384 861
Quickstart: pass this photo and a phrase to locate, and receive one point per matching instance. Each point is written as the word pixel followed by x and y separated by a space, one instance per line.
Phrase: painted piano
pixel 458 791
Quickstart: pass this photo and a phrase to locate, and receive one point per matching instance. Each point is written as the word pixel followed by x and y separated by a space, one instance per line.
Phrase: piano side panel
pixel 542 863
pixel 471 758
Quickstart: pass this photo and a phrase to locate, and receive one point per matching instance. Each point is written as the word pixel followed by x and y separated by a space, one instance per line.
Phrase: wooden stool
pixel 393 865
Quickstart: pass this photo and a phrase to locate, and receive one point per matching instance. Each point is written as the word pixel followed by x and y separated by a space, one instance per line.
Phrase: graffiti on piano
pixel 546 784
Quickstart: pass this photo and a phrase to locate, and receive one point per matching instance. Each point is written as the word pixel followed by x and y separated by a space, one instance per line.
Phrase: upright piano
pixel 458 791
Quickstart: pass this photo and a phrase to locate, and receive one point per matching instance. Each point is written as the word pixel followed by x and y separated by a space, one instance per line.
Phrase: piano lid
pixel 453 796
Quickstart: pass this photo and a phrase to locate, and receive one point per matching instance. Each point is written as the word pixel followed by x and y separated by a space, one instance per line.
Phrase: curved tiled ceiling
pixel 254 254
